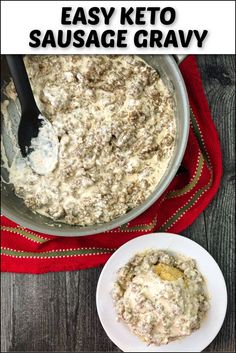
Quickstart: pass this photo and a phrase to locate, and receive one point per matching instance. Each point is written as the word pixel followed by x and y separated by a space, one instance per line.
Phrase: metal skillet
pixel 14 208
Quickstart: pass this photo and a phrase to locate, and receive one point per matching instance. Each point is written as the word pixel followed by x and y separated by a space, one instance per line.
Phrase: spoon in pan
pixel 36 137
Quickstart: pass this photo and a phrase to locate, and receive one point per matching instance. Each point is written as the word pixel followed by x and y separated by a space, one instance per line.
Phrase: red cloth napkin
pixel 187 196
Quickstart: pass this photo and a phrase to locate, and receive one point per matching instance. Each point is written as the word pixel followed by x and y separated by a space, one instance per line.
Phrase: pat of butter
pixel 168 273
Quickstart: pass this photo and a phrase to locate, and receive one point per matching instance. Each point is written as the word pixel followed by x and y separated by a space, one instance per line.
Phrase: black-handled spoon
pixel 31 122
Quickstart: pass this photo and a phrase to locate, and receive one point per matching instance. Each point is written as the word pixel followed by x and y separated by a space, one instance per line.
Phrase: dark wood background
pixel 57 311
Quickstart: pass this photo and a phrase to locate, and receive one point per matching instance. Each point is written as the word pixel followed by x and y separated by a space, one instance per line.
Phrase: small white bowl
pixel 119 333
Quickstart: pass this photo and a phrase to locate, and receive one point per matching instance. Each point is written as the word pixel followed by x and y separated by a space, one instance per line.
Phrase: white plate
pixel 119 333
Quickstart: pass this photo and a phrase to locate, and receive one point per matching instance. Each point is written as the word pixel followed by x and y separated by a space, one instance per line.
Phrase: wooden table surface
pixel 57 311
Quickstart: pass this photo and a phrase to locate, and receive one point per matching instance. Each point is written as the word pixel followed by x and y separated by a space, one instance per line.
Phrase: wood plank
pixel 7 304
pixel 218 74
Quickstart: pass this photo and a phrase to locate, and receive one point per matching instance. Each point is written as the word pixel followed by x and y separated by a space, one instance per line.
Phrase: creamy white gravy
pixel 160 309
pixel 114 119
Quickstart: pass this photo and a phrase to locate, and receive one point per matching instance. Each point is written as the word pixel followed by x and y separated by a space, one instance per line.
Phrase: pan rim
pixel 75 230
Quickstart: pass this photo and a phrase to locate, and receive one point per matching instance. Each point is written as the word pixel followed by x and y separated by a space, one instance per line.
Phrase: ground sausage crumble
pixel 114 118
pixel 160 296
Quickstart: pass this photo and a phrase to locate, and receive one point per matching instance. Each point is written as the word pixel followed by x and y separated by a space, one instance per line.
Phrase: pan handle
pixel 179 58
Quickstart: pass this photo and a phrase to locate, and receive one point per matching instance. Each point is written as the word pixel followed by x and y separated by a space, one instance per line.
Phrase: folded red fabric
pixel 26 251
